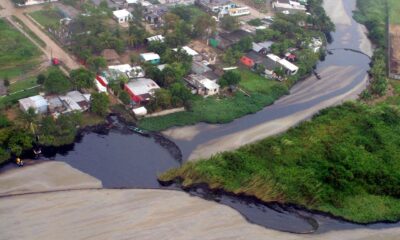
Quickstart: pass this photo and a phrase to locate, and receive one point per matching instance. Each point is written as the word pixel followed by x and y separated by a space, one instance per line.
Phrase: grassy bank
pixel 17 54
pixel 29 31
pixel 262 92
pixel 345 161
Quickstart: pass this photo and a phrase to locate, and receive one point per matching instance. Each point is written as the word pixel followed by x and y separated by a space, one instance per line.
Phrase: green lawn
pixel 17 54
pixel 48 18
pixel 22 85
pixel 262 92
pixel 29 32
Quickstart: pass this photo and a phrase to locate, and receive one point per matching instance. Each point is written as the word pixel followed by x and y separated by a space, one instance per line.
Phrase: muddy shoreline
pixel 302 211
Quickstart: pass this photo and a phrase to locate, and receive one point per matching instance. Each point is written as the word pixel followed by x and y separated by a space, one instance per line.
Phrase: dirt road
pixel 51 49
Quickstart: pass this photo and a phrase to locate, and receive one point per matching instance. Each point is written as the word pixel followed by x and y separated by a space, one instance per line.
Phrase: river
pixel 122 159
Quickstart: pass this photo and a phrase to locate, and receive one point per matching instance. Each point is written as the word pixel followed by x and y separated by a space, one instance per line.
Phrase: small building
pixel 111 56
pixel 157 38
pixel 83 100
pixel 151 57
pixel 177 2
pixel 202 85
pixel 140 111
pixel 238 11
pixel 199 68
pixel 290 68
pixel 122 16
pixel 141 90
pixel 225 40
pixel 247 61
pixel 288 6
pixel 38 103
pixel 189 51
pixel 131 72
pixel 154 14
pixel 262 47
pixel 216 6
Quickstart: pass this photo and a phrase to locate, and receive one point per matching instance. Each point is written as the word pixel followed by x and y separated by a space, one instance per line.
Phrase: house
pixel 290 68
pixel 151 57
pixel 225 40
pixel 262 47
pixel 111 56
pixel 216 6
pixel 177 2
pixel 122 16
pixel 159 38
pixel 153 14
pixel 131 3
pixel 288 6
pixel 199 68
pixel 202 85
pixel 247 61
pixel 238 11
pixel 83 100
pixel 141 90
pixel 131 72
pixel 189 51
pixel 140 111
pixel 38 103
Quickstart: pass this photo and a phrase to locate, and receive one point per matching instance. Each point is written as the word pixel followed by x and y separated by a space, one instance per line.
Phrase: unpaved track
pixel 51 49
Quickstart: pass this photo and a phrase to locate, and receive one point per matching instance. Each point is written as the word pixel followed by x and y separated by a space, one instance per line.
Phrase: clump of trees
pixel 82 78
pixel 99 104
pixel 56 82
pixel 230 78
pixel 378 82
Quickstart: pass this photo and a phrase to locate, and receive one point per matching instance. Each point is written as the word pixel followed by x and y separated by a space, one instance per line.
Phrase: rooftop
pixel 123 13
pixel 188 50
pixel 142 86
pixel 149 56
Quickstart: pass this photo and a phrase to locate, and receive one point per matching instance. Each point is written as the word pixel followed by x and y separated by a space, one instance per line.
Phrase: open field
pixel 17 54
pixel 47 18
pixel 262 92
pixel 22 85
pixel 394 10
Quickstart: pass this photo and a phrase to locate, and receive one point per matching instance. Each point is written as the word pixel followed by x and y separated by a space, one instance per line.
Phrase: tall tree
pixel 99 103
pixel 82 78
pixel 56 82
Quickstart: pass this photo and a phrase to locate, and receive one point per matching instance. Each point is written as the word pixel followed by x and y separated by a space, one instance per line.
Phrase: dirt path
pixel 51 49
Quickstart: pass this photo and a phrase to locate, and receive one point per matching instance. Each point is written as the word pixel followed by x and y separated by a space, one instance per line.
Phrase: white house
pixel 290 68
pixel 202 85
pixel 122 16
pixel 159 38
pixel 38 103
pixel 151 57
pixel 288 6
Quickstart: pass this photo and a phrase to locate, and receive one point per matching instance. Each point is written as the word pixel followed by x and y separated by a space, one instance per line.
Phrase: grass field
pixel 394 10
pixel 262 92
pixel 12 99
pixel 22 85
pixel 48 18
pixel 29 32
pixel 17 54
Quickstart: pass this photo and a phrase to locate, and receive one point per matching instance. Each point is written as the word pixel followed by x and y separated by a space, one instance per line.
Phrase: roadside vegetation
pixel 344 161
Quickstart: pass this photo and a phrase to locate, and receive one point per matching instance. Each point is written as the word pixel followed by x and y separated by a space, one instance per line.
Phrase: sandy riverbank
pixel 46 176
pixel 141 214
pixel 126 214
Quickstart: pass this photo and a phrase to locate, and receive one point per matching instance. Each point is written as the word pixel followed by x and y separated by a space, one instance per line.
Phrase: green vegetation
pixel 255 22
pixel 22 85
pixel 99 104
pixel 56 82
pixel 372 13
pixel 17 54
pixel 29 31
pixel 209 109
pixel 333 159
pixel 344 161
pixel 48 17
pixel 394 9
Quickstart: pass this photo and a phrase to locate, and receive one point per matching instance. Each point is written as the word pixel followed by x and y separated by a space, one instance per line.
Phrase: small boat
pixel 139 131
pixel 37 151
